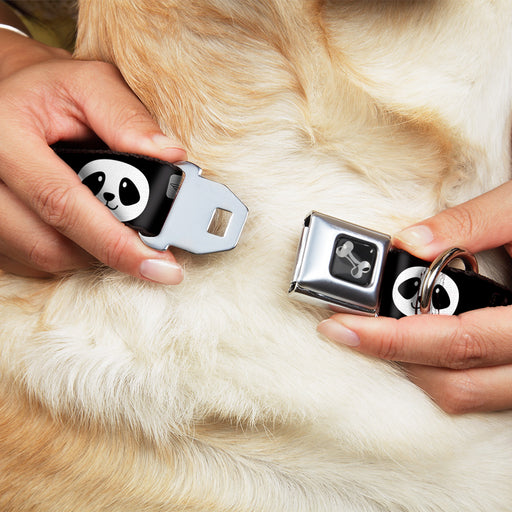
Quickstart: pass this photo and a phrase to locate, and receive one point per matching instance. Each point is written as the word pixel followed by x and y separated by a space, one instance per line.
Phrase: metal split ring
pixel 437 266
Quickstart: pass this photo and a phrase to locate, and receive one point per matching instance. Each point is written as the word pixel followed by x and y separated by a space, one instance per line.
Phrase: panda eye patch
pixel 440 298
pixel 128 192
pixel 408 289
pixel 95 182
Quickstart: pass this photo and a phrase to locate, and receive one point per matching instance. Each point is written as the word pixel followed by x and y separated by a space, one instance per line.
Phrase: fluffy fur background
pixel 217 394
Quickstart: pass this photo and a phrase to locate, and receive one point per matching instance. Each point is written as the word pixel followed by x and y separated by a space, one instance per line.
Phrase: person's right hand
pixel 49 221
pixel 463 362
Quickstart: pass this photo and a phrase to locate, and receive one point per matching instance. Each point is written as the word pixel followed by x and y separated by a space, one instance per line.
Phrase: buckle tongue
pixel 187 225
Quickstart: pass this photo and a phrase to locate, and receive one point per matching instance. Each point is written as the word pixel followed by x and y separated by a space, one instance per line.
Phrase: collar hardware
pixel 195 205
pixel 351 269
pixel 168 204
pixel 339 265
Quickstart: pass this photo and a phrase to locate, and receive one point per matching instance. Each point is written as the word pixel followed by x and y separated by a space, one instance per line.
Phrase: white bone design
pixel 358 267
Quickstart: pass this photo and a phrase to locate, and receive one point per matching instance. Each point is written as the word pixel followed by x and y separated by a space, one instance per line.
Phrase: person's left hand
pixel 463 362
pixel 50 223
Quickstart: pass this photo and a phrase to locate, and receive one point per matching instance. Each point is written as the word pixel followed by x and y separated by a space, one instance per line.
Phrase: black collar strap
pixel 169 204
pixel 355 270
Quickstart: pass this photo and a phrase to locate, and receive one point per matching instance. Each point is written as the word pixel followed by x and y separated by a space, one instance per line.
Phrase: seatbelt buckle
pixel 168 204
pixel 197 204
pixel 340 265
pixel 351 269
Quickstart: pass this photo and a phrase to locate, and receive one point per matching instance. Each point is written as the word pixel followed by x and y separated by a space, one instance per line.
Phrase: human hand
pixel 50 222
pixel 463 362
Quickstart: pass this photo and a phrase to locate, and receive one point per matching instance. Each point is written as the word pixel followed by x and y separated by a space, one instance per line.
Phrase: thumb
pixel 119 118
pixel 479 224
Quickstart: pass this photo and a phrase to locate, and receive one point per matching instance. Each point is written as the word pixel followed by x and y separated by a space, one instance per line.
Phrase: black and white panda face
pixel 121 187
pixel 406 288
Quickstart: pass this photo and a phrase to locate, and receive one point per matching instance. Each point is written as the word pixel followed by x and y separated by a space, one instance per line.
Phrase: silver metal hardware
pixel 339 265
pixel 429 278
pixel 192 211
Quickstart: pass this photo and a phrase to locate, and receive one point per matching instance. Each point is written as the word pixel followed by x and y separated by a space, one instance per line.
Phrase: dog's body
pixel 218 394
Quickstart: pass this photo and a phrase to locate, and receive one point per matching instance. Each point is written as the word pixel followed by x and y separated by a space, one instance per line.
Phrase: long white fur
pixel 405 111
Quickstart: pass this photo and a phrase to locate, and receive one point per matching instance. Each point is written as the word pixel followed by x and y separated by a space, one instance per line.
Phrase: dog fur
pixel 217 394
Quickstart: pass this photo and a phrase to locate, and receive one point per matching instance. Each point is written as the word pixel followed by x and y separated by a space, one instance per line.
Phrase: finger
pixel 51 189
pixel 480 224
pixel 118 117
pixel 57 196
pixel 14 267
pixel 25 239
pixel 478 338
pixel 463 391
pixel 59 101
pixel 17 53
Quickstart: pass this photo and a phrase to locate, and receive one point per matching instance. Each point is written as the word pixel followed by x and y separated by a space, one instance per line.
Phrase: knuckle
pixel 389 345
pixel 465 349
pixel 461 220
pixel 386 349
pixel 78 82
pixel 116 250
pixel 460 394
pixel 129 119
pixel 60 53
pixel 42 257
pixel 53 203
pixel 98 68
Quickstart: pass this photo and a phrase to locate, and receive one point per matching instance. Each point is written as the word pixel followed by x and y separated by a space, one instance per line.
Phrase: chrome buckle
pixel 339 265
pixel 188 223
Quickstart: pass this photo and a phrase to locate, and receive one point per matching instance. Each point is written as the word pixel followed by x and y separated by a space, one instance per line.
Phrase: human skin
pixel 463 362
pixel 50 223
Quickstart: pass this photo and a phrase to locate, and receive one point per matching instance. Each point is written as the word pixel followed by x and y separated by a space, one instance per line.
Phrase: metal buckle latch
pixel 340 265
pixel 188 222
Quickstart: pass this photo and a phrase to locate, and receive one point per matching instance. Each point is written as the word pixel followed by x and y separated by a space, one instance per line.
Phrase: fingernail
pixel 416 236
pixel 338 333
pixel 164 143
pixel 161 271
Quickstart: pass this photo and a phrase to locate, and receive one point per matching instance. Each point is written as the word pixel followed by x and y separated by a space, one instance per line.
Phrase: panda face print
pixel 406 288
pixel 121 187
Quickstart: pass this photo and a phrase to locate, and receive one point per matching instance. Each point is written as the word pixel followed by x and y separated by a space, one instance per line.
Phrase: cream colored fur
pixel 217 394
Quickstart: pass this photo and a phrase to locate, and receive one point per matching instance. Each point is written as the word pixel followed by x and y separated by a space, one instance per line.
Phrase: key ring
pixel 437 266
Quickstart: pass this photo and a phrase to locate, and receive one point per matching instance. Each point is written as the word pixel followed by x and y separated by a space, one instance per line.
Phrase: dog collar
pixel 168 204
pixel 351 269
